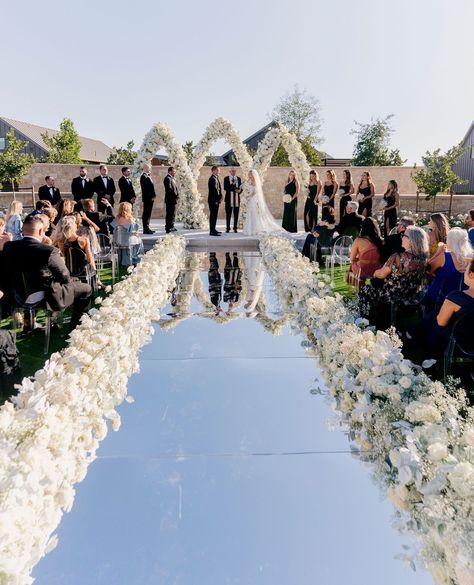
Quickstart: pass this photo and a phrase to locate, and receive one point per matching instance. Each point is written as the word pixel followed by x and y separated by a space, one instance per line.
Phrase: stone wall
pixel 273 187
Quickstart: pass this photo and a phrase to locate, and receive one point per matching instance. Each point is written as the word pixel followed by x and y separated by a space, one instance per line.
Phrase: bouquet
pixel 325 199
pixel 287 198
pixel 360 197
pixel 383 204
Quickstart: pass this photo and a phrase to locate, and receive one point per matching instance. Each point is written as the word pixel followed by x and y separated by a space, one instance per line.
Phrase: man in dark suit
pixel 49 192
pixel 101 219
pixel 232 189
pixel 46 269
pixel 171 199
pixel 127 192
pixel 82 187
pixel 104 186
pixel 350 219
pixel 148 198
pixel 214 199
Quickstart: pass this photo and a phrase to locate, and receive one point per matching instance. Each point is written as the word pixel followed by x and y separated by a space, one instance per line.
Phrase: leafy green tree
pixel 372 146
pixel 123 155
pixel 188 148
pixel 14 164
pixel 300 112
pixel 65 146
pixel 438 175
pixel 280 158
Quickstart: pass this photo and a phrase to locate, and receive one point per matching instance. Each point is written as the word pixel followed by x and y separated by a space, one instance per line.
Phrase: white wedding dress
pixel 258 219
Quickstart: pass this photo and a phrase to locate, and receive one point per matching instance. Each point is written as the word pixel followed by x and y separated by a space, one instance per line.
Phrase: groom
pixel 214 199
pixel 232 188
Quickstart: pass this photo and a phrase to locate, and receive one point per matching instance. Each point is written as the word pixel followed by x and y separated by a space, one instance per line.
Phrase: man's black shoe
pixel 214 233
pixel 148 232
pixel 227 230
pixel 173 229
pixel 235 230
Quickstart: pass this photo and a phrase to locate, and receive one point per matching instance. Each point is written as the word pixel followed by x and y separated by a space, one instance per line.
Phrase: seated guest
pixel 470 226
pixel 393 242
pixel 438 228
pixel 65 207
pixel 126 236
pixel 87 229
pixel 101 219
pixel 4 237
pixel 322 234
pixel 14 222
pixel 399 279
pixel 40 205
pixel 449 265
pixel 66 238
pixel 367 250
pixel 433 333
pixel 51 213
pixel 49 192
pixel 47 270
pixel 351 219
pixel 46 225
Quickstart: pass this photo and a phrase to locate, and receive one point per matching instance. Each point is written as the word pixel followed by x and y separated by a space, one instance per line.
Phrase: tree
pixel 14 164
pixel 188 148
pixel 300 112
pixel 438 175
pixel 280 158
pixel 65 146
pixel 123 155
pixel 372 146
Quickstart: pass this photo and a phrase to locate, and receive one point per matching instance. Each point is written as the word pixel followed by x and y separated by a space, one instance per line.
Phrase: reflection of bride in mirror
pixel 258 219
pixel 255 276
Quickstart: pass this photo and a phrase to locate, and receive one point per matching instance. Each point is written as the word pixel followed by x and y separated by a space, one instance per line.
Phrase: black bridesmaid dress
pixel 389 216
pixel 311 209
pixel 367 205
pixel 329 192
pixel 289 222
pixel 344 200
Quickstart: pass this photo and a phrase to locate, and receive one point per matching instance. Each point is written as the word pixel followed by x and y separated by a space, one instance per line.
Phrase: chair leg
pixel 448 358
pixel 47 332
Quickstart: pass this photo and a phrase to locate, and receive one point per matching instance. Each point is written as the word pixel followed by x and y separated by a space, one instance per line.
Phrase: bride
pixel 259 219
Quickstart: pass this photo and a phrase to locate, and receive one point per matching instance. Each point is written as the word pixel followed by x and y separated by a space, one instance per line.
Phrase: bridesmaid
pixel 310 206
pixel 330 189
pixel 292 189
pixel 392 200
pixel 347 188
pixel 365 194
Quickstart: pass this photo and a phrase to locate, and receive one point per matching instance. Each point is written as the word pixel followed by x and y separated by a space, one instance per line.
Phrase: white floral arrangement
pixel 324 199
pixel 418 435
pixel 190 207
pixel 360 197
pixel 50 431
pixel 287 198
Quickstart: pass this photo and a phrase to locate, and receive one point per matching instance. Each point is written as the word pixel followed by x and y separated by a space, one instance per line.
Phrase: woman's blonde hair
pixel 440 232
pixel 419 244
pixel 125 210
pixel 15 208
pixel 314 174
pixel 65 229
pixel 332 174
pixel 460 246
pixel 68 207
pixel 294 173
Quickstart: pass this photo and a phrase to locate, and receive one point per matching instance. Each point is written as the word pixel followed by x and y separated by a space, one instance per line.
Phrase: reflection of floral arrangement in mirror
pixel 417 433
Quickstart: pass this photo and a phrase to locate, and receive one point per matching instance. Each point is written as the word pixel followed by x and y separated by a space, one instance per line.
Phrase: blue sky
pixel 116 67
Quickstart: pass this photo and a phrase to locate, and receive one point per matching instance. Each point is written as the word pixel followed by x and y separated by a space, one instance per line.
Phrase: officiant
pixel 232 188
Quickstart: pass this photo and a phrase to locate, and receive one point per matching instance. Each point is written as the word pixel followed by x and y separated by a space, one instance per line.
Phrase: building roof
pixel 91 150
pixel 468 133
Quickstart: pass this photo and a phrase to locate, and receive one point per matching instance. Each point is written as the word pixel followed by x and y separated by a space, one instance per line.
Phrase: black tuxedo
pixel 232 279
pixel 214 199
pixel 347 221
pixel 148 198
pixel 232 188
pixel 82 188
pixel 215 281
pixel 44 194
pixel 171 199
pixel 104 192
pixel 47 272
pixel 127 192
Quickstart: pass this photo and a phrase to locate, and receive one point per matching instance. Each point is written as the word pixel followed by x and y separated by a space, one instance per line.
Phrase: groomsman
pixel 171 199
pixel 127 192
pixel 81 186
pixel 148 198
pixel 232 189
pixel 215 282
pixel 104 186
pixel 214 199
pixel 49 192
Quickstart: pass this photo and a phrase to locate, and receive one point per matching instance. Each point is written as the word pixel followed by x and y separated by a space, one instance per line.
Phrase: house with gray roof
pixel 464 166
pixel 92 151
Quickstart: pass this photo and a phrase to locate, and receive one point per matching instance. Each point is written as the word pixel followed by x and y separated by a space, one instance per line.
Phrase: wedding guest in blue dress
pixel 14 222
pixel 470 225
pixel 292 190
pixel 126 237
pixel 448 266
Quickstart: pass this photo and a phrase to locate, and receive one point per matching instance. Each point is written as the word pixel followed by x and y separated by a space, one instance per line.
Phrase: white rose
pixel 437 452
pixel 462 479
pixel 405 382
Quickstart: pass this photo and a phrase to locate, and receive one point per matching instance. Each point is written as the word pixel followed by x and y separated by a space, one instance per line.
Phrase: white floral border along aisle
pixel 417 433
pixel 50 431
